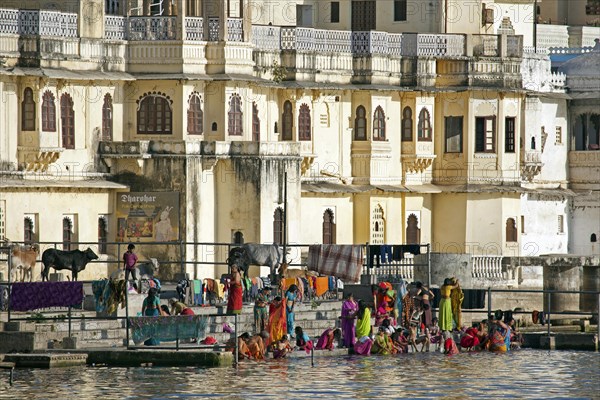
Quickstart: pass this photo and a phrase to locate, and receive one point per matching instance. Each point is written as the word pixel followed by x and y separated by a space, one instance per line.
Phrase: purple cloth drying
pixel 27 296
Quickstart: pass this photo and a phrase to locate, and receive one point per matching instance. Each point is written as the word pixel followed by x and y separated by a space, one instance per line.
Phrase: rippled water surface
pixel 520 374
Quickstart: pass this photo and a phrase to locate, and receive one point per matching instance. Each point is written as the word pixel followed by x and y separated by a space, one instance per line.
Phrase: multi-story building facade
pixel 456 136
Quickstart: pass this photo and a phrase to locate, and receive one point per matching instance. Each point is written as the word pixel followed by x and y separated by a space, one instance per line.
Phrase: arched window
pixel 238 238
pixel 360 124
pixel 28 111
pixel 234 115
pixel 255 123
pixel 304 123
pixel 154 115
pixel 28 232
pixel 424 126
pixel 195 115
pixel 593 238
pixel 377 226
pixel 413 233
pixel 102 235
pixel 511 230
pixel 67 233
pixel 379 124
pixel 328 227
pixel 48 112
pixel 67 121
pixel 287 121
pixel 278 226
pixel 107 118
pixel 407 125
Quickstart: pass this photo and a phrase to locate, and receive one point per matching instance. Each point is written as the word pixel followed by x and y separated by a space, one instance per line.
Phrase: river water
pixel 520 374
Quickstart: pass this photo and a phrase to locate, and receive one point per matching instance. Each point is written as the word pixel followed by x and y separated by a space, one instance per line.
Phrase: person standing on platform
pixel 129 261
pixel 290 301
pixel 349 310
pixel 261 313
pixel 234 302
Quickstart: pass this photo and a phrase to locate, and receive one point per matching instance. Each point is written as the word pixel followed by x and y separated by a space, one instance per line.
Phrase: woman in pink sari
pixel 328 338
pixel 349 309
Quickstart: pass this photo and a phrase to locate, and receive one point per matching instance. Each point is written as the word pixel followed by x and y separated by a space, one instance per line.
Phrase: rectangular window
pixel 561 224
pixel 485 134
pixel 454 134
pixel 2 219
pixel 509 135
pixel 558 135
pixel 522 224
pixel 400 7
pixel 335 11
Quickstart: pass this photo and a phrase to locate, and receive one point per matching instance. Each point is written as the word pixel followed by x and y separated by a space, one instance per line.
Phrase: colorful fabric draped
pixel 277 323
pixel 457 296
pixel 445 311
pixel 469 339
pixel 167 328
pixel 349 308
pixel 261 314
pixel 363 325
pixel 27 296
pixel 325 342
pixel 101 291
pixel 363 346
pixel 497 341
pixel 408 305
pixel 381 345
pixel 234 302
pixel 450 347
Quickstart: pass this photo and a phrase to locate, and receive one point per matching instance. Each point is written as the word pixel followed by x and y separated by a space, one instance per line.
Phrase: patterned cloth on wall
pixel 168 328
pixel 342 261
pixel 28 296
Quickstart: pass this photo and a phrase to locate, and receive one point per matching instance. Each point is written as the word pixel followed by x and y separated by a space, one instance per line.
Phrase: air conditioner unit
pixel 487 16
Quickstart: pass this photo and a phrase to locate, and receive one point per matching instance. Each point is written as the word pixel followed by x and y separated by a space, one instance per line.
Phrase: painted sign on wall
pixel 147 216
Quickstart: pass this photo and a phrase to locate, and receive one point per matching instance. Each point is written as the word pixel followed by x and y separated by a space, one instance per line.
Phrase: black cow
pixel 74 260
pixel 270 255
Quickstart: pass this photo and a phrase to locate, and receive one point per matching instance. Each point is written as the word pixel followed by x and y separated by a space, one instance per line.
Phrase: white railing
pixel 533 157
pixel 486 266
pixel 194 28
pixel 38 22
pixel 404 269
pixel 552 35
pixel 533 50
pixel 115 27
pixel 433 45
pixel 235 30
pixel 266 37
pixel 570 50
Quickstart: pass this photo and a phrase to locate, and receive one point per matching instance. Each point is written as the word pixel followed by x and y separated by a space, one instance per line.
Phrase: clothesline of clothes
pixel 209 291
pixel 314 286
pixel 386 253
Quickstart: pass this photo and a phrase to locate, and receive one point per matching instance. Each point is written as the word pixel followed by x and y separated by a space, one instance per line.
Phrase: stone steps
pixel 96 333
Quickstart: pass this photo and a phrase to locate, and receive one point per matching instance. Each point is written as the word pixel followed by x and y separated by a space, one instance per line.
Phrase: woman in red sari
pixel 277 325
pixel 234 302
pixel 328 338
pixel 470 339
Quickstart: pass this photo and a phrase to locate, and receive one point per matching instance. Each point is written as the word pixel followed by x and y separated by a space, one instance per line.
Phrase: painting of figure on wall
pixel 164 230
pixel 147 216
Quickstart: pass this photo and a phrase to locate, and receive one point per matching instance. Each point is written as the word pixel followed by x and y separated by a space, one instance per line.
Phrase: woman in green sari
pixel 363 342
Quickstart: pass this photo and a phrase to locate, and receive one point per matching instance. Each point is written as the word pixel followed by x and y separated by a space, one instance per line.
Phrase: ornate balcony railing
pixel 235 31
pixel 152 28
pixel 486 266
pixel 115 27
pixel 485 45
pixel 38 22
pixel 194 28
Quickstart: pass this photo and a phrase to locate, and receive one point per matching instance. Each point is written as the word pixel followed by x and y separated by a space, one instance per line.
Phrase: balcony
pixel 370 161
pixel 531 165
pixel 584 169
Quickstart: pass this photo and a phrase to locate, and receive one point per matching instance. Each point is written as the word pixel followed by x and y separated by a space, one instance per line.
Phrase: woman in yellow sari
pixel 277 318
pixel 446 304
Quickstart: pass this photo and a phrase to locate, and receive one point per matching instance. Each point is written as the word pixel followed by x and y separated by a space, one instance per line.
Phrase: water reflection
pixel 523 374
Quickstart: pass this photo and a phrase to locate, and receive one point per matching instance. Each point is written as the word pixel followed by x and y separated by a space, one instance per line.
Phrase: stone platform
pixel 46 360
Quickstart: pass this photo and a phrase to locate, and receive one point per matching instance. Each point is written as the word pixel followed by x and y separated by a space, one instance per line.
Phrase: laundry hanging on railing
pixel 28 296
pixel 168 328
pixel 342 261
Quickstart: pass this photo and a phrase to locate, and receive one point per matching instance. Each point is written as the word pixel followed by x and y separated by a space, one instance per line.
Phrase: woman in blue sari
pixel 290 301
